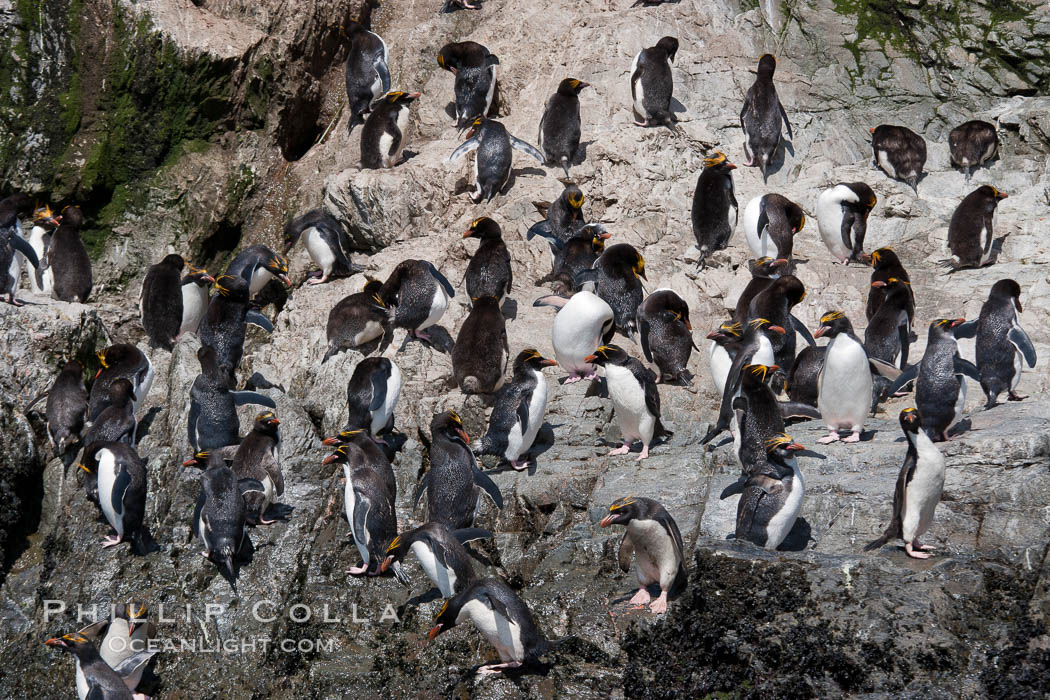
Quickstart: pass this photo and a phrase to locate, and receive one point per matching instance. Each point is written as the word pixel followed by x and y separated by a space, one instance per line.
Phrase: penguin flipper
pixel 130 664
pixel 120 490
pixel 905 377
pixel 257 319
pixel 488 485
pixel 378 392
pixel 894 529
pixel 93 630
pixel 273 470
pixel 469 534
pixel 22 246
pixel 626 553
pixel 671 527
pixel 442 280
pixel 465 148
pixel 965 330
pixel 523 412
pixel 519 145
pixel 643 333
pixel 652 397
pixel 584 276
pixel 967 368
pixel 884 368
pixel 784 116
pixel 420 489
pixel 1023 343
pixel 383 71
pixel 796 409
pixel 551 300
pixel 360 525
pixel 801 329
pixel 765 482
pixel 191 424
pixel 542 228
pixel 243 398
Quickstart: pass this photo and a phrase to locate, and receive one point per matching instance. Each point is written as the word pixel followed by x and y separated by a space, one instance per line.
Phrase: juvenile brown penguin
pixel 972 144
pixel 479 358
pixel 970 235
pixel 160 302
pixel 357 319
pixel 385 131
pixel 559 135
pixel 762 118
pixel 489 272
pixel 899 152
pixel 714 212
pixel 68 259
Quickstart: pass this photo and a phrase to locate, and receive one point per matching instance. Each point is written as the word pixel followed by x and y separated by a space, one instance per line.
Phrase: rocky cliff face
pixel 204 126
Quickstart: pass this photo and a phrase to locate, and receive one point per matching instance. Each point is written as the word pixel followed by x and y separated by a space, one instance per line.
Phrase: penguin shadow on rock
pixel 440 340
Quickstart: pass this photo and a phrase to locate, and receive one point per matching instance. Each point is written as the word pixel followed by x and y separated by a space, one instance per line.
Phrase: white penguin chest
pixel 628 396
pixel 754 238
pixel 381 416
pixel 319 250
pixel 577 329
pixel 194 304
pixel 720 363
pixel 924 491
pixel 829 222
pixel 521 436
pixel 438 304
pixel 639 90
pixel 655 558
pixel 260 278
pixel 764 355
pixel 884 163
pixel 442 576
pixel 107 479
pixel 503 634
pixel 844 383
pixel 784 519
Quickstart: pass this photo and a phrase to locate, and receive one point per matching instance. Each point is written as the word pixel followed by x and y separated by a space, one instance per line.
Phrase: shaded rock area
pixel 816 619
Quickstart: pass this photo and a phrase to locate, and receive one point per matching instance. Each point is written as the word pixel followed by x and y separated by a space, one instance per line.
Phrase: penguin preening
pixel 367 73
pixel 517 414
pixel 358 319
pixel 355 449
pixel 492 162
pixel 842 219
pixel 884 265
pixel 774 304
pixel 652 84
pixel 479 357
pixel 559 133
pixel 763 119
pixel 772 496
pixel 652 537
pixel 918 490
pixel 770 224
pixel 160 302
pixel 116 422
pixel 68 259
pixel 41 279
pixel 475 90
pixel 635 397
pixel 457 55
pixel 970 236
pixel 764 271
pixel 325 241
pixel 386 130
pixel 489 271
pixel 972 144
pixel 575 256
pixel 117 361
pixel 665 334
pixel 583 323
pixel 416 295
pixel 126 644
pixel 617 274
pixel 562 219
pixel 888 335
pixel 257 265
pixel 440 552
pixel 714 212
pixel 899 152
pixel 224 324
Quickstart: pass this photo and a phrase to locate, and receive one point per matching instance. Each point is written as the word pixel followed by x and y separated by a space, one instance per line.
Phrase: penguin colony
pixel 755 365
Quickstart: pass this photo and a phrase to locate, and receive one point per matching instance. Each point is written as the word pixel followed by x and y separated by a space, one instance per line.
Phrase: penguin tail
pixel 680 580
pixel 399 573
pixel 661 430
pixel 701 262
pixel 332 351
pixel 878 543
pixel 34 402
pixel 470 385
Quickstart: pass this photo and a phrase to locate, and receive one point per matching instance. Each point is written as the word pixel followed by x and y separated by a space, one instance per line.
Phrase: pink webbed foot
pixel 112 540
pixel 421 335
pixel 519 465
pixel 831 437
pixel 591 377
pixel 644 454
pixel 638 123
pixel 573 378
pixel 659 606
pixel 854 437
pixel 1014 396
pixel 379 441
pixel 914 552
pixel 357 570
pixel 622 450
pixel 640 599
pixel 317 280
pixel 492 669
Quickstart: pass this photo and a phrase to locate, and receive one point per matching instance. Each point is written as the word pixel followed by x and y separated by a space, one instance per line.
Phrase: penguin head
pixel 447 616
pixel 396 97
pixel 43 216
pixel 767 66
pixel 72 216
pixel 267 422
pixel 399 547
pixel 342 438
pixel 796 217
pixel 1007 289
pixel 75 643
pixel 894 287
pixel 200 459
pixel 450 425
pixel 340 454
pixel 277 265
pixel 943 327
pixel 832 323
pixel 767 267
pixel 134 612
pixel 484 228
pixel 911 421
pixel 791 288
pixel 623 510
pixel 173 260
pixel 574 197
pixel 121 391
pixel 571 86
pixel 669 45
pixel 884 258
pixel 227 285
pixel 764 324
pixel 532 359
pixel 759 374
pixel 725 333
pixel 624 257
pixel 608 355
pixel 990 196
pixel 718 160
pixel 475 127
pixel 866 198
pixel 782 445
pixel 198 276
pixel 90 457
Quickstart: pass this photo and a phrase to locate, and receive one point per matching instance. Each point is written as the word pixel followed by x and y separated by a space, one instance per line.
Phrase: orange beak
pixel 434 631
pixel 329 459
pixel 332 442
pixel 463 434
pixel 548 363
pixel 468 233
pixel 590 358
pixel 778 329
pixel 386 564
pixel 820 332
pixel 607 520
pixel 878 283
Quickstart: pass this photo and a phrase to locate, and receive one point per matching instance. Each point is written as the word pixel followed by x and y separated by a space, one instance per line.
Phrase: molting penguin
pixel 501 617
pixel 518 411
pixel 714 212
pixel 885 264
pixel 453 474
pixel 583 322
pixel 489 272
pixel 763 118
pixel 940 389
pixel 440 553
pixel 372 394
pixel 575 256
pixel 119 361
pixel 770 224
pixel 121 491
pixel 386 130
pixel 160 302
pixel 212 417
pixel 653 539
pixel 367 74
pixel 652 84
pixel 475 89
pixel 220 516
pixel 900 152
pixel 764 271
pixel 67 402
pixel 358 319
pixel 666 334
pixel 94 677
pixel 117 422
pixel 618 273
pixel 479 357
pixel 257 264
pixel 970 234
pixel 417 295
pixel 972 144
pixel 1002 344
pixel 258 457
pixel 842 218
pixel 195 287
pixel 373 523
pixel 494 157
pixel 12 243
pixel 844 383
pixel 223 326
pixel 68 259
pixel 919 487
pixel 325 241
pixel 559 135
pixel 632 388
pixel 562 219
pixel 772 496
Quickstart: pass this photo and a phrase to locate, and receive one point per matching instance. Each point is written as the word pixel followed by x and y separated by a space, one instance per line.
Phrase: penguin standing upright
pixel 356 449
pixel 440 552
pixel 885 265
pixel 479 357
pixel 653 539
pixel 764 271
pixel 772 496
pixel 68 259
pixel 919 487
pixel 1002 344
pixel 802 380
pixel 453 474
pixel 367 74
pixel 940 387
pixel 475 89
pixel 844 383
pixel 714 212
pixel 386 130
pixel 888 335
pixel 220 515
pixel 652 84
pixel 517 414
pixel 774 304
pixel 41 279
pixel 258 457
pixel 126 644
pixel 842 219
pixel 763 119
pixel 559 134
pixel 754 347
pixel 770 224
pixel 724 341
pixel 417 296
pixel 900 152
pixel 358 319
pixel 11 242
pixel 372 394
pixel 67 402
pixel 562 219
pixel 195 287
pixel 160 302
pixel 212 417
pixel 618 273
pixel 666 334
pixel 121 491
pixel 583 322
pixel 117 422
pixel 223 326
pixel 121 360
pixel 759 415
pixel 489 271
pixel 970 234
pixel 257 265
pixel 632 388
pixel 325 241
pixel 494 156
pixel 972 144
pixel 373 523
pixel 501 617
pixel 94 677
